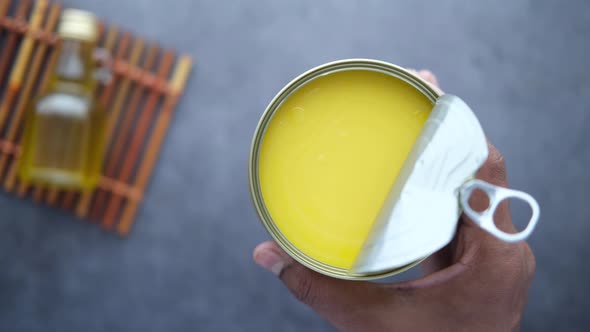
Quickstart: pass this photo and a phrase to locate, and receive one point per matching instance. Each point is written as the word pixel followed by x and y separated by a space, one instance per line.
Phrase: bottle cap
pixel 78 24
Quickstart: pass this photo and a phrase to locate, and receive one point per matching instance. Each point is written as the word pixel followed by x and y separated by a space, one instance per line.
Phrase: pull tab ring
pixel 485 219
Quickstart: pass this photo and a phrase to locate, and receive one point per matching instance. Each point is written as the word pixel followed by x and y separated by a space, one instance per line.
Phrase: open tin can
pixel 438 173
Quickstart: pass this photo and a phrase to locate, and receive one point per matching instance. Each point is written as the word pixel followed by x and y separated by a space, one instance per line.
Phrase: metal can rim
pixel 255 191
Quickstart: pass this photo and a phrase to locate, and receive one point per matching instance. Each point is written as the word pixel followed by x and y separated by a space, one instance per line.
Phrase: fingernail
pixel 270 260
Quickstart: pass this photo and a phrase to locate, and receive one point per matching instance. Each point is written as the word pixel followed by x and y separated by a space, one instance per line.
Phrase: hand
pixel 476 283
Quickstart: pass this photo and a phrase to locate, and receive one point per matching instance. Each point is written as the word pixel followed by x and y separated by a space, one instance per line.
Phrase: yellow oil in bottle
pixel 64 134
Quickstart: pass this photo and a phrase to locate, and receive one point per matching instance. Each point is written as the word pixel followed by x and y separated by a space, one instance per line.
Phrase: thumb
pixel 338 301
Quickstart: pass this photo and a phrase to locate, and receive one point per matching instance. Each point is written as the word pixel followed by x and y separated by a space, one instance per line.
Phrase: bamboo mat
pixel 147 83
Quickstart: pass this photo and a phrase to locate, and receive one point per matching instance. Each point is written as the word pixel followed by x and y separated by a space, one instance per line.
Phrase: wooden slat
pixel 9 48
pixel 16 77
pixel 134 151
pixel 154 144
pixel 34 73
pixel 4 6
pixel 118 105
pixel 118 139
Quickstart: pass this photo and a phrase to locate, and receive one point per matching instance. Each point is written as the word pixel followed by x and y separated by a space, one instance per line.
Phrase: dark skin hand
pixel 476 283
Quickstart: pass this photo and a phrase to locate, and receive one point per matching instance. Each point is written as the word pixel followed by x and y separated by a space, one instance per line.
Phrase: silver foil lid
pixel 420 213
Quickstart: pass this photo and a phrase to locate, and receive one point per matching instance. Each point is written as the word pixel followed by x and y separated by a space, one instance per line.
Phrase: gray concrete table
pixel 521 65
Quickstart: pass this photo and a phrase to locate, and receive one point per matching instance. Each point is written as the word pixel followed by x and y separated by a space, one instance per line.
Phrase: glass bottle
pixel 64 133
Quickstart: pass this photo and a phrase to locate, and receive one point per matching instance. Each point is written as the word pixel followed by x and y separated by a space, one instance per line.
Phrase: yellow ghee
pixel 330 155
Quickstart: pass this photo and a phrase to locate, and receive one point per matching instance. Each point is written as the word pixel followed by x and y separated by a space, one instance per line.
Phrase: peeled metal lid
pixel 420 214
pixel 78 24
